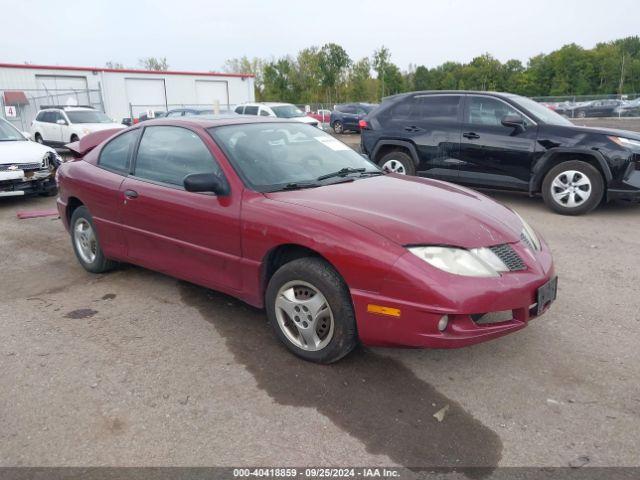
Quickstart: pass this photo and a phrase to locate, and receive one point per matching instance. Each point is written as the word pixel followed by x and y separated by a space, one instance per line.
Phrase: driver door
pixel 193 236
pixel 492 154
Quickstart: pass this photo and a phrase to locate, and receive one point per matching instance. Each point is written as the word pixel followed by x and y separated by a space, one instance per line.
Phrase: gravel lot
pixel 134 368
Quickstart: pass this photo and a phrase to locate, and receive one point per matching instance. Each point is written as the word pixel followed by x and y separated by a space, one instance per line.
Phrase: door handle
pixel 471 135
pixel 131 194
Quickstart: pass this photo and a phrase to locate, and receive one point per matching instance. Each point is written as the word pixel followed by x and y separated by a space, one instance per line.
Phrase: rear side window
pixel 249 110
pixel 439 108
pixel 348 109
pixel 116 154
pixel 175 114
pixel 264 113
pixel 168 154
pixel 489 111
pixel 239 109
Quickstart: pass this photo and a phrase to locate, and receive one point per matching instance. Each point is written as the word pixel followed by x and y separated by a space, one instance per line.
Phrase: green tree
pixel 333 62
pixel 380 62
pixel 253 66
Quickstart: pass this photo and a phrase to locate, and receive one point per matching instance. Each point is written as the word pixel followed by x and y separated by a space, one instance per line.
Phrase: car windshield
pixel 287 111
pixel 543 113
pixel 276 156
pixel 87 116
pixel 9 133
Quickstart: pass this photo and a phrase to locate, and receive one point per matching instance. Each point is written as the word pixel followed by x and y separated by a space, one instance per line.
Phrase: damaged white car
pixel 25 167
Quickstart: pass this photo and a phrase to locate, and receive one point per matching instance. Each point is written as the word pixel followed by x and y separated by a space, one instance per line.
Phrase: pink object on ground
pixel 37 213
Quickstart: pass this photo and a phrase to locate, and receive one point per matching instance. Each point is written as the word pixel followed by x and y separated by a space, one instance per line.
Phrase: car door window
pixel 116 154
pixel 437 108
pixel 168 154
pixel 239 109
pixel 264 113
pixel 250 110
pixel 489 111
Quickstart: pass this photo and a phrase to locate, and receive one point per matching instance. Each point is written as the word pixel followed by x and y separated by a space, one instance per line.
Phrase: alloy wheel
pixel 304 315
pixel 394 166
pixel 85 240
pixel 571 188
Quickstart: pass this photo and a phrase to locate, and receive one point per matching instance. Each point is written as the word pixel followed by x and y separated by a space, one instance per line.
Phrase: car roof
pixel 453 92
pixel 266 104
pixel 208 121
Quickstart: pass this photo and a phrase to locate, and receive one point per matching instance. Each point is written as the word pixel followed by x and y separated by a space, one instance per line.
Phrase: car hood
pixel 305 119
pixel 22 152
pixel 607 131
pixel 413 211
pixel 96 127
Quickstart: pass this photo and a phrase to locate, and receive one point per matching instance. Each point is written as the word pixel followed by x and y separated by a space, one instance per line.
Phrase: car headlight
pixel 626 142
pixel 528 234
pixel 478 262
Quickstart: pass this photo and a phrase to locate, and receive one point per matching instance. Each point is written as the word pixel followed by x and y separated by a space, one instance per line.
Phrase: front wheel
pixel 338 127
pixel 309 307
pixel 38 138
pixel 397 162
pixel 573 188
pixel 85 243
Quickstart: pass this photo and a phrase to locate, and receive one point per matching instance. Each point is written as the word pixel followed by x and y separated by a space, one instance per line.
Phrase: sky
pixel 200 35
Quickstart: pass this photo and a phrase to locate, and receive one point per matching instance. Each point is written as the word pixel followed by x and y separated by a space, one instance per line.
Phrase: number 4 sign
pixel 10 111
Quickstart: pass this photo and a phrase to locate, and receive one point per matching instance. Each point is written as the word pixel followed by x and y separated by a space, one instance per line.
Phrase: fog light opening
pixel 443 323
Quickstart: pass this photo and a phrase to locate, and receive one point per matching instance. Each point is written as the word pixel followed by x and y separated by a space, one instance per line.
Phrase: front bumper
pixel 19 183
pixel 463 300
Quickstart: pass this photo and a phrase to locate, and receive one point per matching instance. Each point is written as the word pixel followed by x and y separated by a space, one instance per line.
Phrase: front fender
pixel 547 161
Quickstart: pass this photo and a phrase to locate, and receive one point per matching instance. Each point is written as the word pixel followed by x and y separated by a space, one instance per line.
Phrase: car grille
pixel 21 166
pixel 509 257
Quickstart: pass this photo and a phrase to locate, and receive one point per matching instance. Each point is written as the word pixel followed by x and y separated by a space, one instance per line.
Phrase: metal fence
pixel 34 99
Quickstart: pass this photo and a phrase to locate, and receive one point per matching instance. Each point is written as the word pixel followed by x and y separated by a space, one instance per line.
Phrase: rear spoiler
pixel 91 141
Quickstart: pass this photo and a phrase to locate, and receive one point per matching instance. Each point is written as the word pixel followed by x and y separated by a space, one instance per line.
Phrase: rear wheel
pixel 85 243
pixel 74 138
pixel 338 127
pixel 573 188
pixel 38 138
pixel 310 310
pixel 398 162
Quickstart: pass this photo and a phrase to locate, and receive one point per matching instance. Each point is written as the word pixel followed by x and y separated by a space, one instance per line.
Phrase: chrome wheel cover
pixel 394 166
pixel 304 315
pixel 85 240
pixel 571 189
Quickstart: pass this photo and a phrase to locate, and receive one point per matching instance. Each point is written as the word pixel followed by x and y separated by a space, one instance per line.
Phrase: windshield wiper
pixel 343 172
pixel 295 186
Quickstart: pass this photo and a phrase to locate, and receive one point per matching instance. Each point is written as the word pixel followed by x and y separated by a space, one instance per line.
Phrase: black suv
pixel 504 141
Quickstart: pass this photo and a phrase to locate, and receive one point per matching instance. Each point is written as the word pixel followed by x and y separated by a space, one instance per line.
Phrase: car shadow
pixel 373 398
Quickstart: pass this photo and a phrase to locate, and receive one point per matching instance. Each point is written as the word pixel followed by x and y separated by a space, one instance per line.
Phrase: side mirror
pixel 61 121
pixel 206 182
pixel 514 121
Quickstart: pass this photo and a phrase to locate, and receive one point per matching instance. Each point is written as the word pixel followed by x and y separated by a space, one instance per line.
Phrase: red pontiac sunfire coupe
pixel 284 216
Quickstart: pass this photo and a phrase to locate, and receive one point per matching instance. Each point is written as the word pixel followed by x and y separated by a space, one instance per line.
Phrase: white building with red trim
pixel 119 92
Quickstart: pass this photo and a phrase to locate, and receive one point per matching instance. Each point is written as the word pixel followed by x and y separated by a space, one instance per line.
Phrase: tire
pixel 99 263
pixel 74 138
pixel 398 162
pixel 294 287
pixel 38 138
pixel 338 127
pixel 563 184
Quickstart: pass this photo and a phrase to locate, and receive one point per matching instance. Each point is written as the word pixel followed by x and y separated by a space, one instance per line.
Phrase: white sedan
pixel 25 167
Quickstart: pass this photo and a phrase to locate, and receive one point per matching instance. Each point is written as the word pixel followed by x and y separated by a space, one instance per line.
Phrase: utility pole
pixel 621 76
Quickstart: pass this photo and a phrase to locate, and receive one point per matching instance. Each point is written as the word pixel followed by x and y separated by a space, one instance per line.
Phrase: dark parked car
pixel 284 216
pixel 596 108
pixel 499 140
pixel 347 116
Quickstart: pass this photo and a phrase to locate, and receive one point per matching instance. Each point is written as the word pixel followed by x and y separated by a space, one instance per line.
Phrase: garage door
pixel 145 94
pixel 63 89
pixel 212 92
